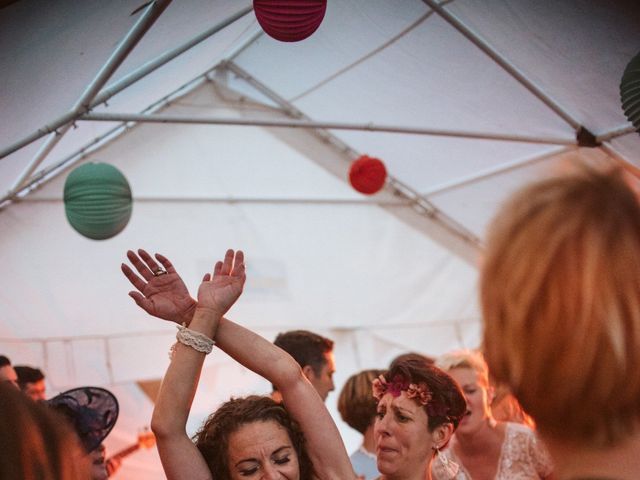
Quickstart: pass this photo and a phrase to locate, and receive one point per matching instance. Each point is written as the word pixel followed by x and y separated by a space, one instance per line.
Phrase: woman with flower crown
pixel 418 408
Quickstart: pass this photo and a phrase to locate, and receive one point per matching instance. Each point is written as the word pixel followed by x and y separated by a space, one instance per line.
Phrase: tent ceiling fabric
pixel 379 274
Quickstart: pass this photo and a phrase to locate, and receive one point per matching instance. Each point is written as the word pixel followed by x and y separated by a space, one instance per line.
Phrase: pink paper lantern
pixel 289 20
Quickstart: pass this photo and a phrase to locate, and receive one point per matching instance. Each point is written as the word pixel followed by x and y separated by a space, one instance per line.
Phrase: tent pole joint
pixel 586 139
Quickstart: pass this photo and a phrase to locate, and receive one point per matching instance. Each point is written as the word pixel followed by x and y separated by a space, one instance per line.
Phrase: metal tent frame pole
pixel 59 167
pixel 517 74
pixel 400 202
pixel 285 123
pixel 123 83
pixel 615 133
pixel 52 171
pixel 419 204
pixel 503 62
pixel 497 170
pixel 83 104
pixel 166 57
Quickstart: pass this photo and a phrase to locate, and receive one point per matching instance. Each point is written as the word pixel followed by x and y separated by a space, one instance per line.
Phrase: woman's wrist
pixel 205 320
pixel 186 317
pixel 207 312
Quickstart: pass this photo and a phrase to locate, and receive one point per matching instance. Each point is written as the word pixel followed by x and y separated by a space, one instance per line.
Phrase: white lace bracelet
pixel 196 340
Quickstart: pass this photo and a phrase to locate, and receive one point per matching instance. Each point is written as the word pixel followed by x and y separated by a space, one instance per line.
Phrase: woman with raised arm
pixel 417 411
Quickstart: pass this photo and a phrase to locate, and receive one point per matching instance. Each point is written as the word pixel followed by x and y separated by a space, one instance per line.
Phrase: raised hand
pixel 163 295
pixel 220 292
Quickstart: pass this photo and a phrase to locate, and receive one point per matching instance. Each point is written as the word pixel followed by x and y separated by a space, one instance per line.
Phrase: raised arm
pixel 324 444
pixel 180 457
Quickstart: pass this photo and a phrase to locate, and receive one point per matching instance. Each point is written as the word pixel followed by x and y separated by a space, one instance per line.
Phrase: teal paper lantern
pixel 97 200
pixel 630 91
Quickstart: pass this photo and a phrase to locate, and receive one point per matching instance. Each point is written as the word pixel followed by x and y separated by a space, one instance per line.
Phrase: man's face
pixel 8 374
pixel 323 382
pixel 35 390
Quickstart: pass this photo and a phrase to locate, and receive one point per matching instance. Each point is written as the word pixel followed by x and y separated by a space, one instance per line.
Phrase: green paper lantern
pixel 630 91
pixel 97 200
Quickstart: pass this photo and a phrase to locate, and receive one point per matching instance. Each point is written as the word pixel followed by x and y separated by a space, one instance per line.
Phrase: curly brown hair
pixel 212 439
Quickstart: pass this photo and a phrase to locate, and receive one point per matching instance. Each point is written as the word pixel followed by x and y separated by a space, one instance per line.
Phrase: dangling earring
pixel 443 467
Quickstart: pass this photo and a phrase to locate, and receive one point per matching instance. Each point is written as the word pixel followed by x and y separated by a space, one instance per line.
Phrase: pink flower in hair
pixel 379 386
pixel 398 384
pixel 419 392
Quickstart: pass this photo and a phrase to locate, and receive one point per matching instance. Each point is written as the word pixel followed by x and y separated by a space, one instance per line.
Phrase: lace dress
pixel 522 457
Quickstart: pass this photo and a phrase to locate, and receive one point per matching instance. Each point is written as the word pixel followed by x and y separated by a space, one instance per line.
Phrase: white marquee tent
pixel 231 139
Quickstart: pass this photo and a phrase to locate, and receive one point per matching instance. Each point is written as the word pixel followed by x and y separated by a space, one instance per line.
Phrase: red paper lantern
pixel 367 175
pixel 289 20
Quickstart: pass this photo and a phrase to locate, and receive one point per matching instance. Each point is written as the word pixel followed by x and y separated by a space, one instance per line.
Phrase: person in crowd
pixel 35 443
pixel 92 412
pixel 506 408
pixel 314 354
pixel 7 372
pixel 31 382
pixel 560 296
pixel 482 447
pixel 413 357
pixel 357 407
pixel 418 409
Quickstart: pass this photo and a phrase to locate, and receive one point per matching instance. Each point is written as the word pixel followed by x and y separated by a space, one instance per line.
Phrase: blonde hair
pixel 560 294
pixel 465 359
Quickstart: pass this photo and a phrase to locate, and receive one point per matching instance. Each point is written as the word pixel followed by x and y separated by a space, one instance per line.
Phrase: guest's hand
pixel 163 295
pixel 220 292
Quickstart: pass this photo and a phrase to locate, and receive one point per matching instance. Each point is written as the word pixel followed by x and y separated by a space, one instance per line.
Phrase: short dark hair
pixel 413 357
pixel 4 361
pixel 27 374
pixel 356 404
pixel 212 439
pixel 307 348
pixel 445 392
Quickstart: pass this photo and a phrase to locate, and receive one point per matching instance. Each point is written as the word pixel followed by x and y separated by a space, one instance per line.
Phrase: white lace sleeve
pixel 524 457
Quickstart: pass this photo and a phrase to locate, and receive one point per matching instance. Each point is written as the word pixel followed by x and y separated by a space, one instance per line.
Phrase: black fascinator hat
pixel 92 411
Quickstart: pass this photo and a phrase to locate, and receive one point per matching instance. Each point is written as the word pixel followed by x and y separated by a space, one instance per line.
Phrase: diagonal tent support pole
pixel 123 83
pixel 450 234
pixel 511 69
pixel 52 171
pixel 166 57
pixel 83 104
pixel 497 170
pixel 518 75
pixel 615 133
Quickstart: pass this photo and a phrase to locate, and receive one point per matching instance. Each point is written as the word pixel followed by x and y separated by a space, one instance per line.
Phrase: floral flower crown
pixel 419 392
